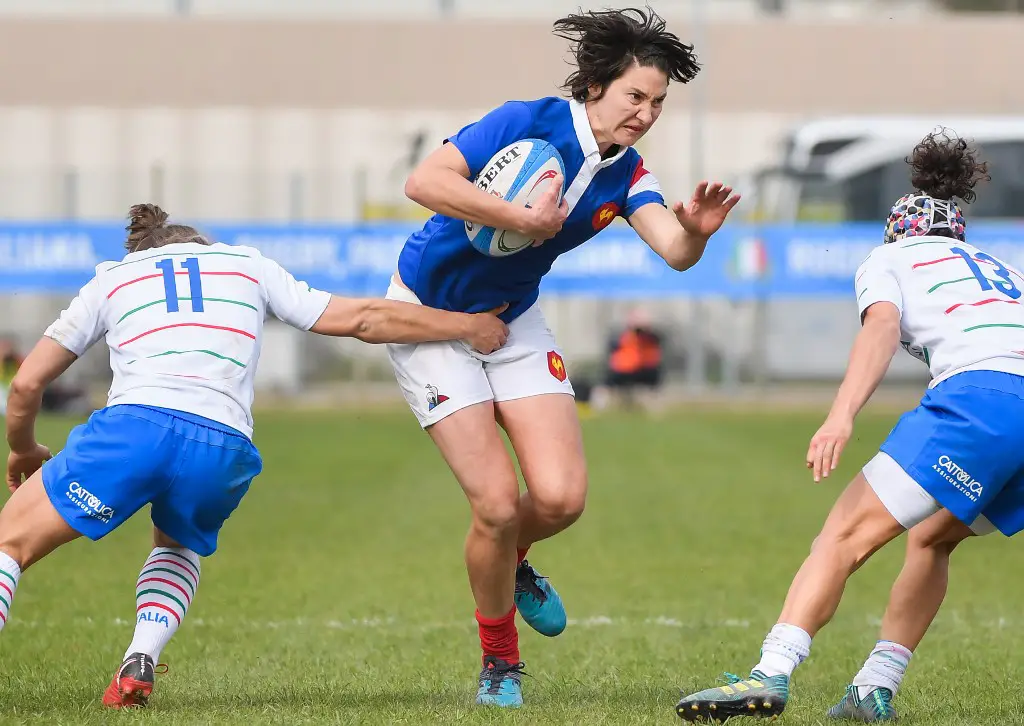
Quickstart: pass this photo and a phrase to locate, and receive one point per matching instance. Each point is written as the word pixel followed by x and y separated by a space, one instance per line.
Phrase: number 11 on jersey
pixel 195 283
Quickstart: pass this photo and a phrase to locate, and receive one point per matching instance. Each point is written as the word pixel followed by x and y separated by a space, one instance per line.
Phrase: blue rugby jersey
pixel 445 271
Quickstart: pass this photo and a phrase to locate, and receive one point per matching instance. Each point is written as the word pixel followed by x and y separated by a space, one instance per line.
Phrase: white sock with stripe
pixel 10 573
pixel 885 668
pixel 166 587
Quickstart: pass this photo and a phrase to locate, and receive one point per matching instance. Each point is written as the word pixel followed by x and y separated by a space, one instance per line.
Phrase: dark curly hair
pixel 606 43
pixel 147 228
pixel 945 166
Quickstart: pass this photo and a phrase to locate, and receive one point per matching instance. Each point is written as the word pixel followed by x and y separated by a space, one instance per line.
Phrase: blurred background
pixel 291 125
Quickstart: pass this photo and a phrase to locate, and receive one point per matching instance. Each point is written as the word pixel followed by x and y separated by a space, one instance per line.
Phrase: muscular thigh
pixel 471 445
pixel 535 405
pixel 545 433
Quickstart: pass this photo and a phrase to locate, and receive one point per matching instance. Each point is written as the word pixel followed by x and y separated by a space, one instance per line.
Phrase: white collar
pixel 585 136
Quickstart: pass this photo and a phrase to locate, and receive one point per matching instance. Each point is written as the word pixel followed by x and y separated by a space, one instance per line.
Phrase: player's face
pixel 630 105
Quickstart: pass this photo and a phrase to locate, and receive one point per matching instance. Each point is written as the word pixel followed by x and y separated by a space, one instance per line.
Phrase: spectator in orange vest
pixel 634 359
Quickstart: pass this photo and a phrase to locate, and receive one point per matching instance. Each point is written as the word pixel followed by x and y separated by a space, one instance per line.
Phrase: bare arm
pixel 681 235
pixel 660 229
pixel 374 320
pixel 47 361
pixel 441 183
pixel 872 352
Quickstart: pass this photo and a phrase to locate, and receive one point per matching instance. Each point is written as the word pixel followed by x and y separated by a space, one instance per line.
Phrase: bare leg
pixel 545 434
pixel 914 601
pixel 30 527
pixel 920 588
pixel 470 443
pixel 857 527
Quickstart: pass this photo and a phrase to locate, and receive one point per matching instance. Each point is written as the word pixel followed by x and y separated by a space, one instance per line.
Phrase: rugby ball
pixel 520 173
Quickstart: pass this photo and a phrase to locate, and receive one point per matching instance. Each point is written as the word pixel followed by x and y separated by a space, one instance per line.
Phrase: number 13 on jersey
pixel 1004 284
pixel 195 283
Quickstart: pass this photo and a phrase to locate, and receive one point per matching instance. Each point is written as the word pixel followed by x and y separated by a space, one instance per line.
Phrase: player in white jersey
pixel 183 318
pixel 951 468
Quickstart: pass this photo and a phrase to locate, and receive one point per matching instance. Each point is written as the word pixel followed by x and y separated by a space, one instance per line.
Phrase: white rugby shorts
pixel 438 379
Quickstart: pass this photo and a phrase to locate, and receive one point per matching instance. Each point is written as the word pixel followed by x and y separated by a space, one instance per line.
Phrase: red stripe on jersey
pixel 983 302
pixel 160 274
pixel 234 274
pixel 639 173
pixel 132 282
pixel 187 325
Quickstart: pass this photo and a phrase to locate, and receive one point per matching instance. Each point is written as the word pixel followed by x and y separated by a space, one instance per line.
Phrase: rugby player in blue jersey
pixel 625 60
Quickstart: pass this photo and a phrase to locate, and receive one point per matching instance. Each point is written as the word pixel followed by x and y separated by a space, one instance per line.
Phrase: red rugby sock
pixel 499 637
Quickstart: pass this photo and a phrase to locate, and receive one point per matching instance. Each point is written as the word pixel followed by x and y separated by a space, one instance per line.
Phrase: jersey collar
pixel 585 136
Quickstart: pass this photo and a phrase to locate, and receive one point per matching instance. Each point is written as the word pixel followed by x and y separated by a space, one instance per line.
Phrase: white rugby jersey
pixel 960 308
pixel 184 324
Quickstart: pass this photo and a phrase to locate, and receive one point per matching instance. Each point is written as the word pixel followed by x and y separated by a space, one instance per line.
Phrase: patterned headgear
pixel 918 214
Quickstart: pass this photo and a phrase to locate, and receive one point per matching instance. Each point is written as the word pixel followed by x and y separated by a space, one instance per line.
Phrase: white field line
pixel 951 618
pixel 383 624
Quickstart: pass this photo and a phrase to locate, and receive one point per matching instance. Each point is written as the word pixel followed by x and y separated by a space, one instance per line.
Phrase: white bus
pixel 852 169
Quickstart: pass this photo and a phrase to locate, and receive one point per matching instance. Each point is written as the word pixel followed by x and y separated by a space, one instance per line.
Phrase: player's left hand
pixel 707 210
pixel 23 464
pixel 827 445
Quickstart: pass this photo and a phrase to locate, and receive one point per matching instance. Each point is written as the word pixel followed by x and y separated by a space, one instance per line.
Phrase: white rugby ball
pixel 520 173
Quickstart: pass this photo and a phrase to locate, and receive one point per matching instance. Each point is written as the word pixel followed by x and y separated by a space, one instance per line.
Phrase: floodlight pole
pixel 698 109
pixel 696 373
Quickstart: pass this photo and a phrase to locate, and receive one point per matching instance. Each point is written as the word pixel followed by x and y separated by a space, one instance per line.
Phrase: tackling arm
pixel 374 320
pixel 47 361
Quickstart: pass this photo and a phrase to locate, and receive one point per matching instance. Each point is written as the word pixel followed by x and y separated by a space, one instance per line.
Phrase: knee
pixel 563 504
pixel 930 544
pixel 497 516
pixel 21 551
pixel 850 548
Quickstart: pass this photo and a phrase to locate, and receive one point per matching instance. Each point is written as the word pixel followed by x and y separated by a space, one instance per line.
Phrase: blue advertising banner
pixel 741 262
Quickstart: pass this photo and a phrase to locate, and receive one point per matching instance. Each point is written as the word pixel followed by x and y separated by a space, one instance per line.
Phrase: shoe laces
pixel 496 670
pixel 527 582
pixel 159 669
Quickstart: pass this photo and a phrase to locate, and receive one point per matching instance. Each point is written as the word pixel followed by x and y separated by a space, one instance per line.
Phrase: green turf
pixel 339 595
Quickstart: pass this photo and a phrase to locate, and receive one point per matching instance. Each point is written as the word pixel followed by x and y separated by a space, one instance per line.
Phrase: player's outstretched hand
pixel 827 445
pixel 545 218
pixel 488 332
pixel 707 210
pixel 23 464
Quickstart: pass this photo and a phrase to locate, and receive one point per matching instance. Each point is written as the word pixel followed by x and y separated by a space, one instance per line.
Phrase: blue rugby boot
pixel 758 696
pixel 876 705
pixel 500 683
pixel 538 602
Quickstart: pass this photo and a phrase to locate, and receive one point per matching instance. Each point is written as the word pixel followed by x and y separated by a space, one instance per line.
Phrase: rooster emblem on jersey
pixel 605 215
pixel 556 366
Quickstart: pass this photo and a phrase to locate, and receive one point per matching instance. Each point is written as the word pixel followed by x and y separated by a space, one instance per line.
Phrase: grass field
pixel 339 594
